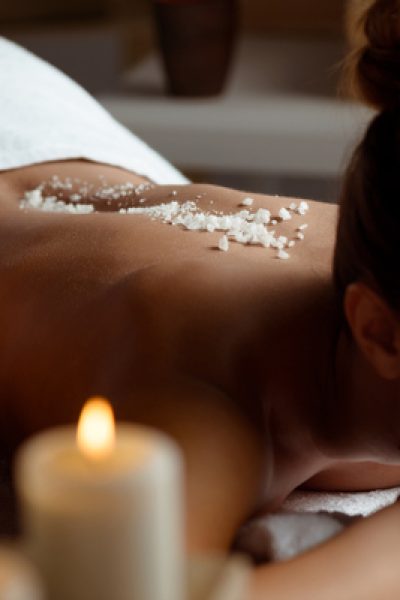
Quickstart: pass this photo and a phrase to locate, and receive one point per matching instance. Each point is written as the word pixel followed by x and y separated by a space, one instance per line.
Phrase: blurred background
pixel 278 127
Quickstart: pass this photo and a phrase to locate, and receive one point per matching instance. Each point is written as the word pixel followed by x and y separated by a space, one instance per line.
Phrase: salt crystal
pixel 283 255
pixel 291 244
pixel 34 198
pixel 302 227
pixel 303 208
pixel 285 214
pixel 262 216
pixel 223 244
pixel 274 222
pixel 300 235
pixel 247 202
pixel 225 223
pixel 293 206
pixel 240 237
pixel 75 197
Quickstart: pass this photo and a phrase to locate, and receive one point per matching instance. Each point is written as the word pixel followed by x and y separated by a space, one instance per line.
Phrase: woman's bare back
pixel 177 333
pixel 118 304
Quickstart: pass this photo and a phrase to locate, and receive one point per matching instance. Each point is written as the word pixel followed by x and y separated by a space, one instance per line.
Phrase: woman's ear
pixel 375 329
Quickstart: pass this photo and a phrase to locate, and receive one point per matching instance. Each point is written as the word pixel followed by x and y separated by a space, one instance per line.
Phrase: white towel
pixel 45 116
pixel 307 519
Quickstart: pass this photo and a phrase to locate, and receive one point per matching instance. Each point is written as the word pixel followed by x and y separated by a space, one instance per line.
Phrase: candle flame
pixel 96 429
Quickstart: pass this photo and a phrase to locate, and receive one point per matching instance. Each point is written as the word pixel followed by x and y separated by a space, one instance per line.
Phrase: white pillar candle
pixel 18 578
pixel 104 520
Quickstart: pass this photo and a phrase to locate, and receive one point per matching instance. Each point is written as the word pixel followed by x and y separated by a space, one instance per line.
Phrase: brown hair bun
pixel 373 68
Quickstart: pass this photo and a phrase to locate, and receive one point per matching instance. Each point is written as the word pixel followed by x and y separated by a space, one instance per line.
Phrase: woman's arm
pixel 362 563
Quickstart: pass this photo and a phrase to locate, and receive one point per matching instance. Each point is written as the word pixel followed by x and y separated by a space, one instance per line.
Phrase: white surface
pixel 279 113
pixel 45 116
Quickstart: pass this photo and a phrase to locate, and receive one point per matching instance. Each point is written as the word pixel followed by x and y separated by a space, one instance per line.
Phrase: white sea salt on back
pixel 244 227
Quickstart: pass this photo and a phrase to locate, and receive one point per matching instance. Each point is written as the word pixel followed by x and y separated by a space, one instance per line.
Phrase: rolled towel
pixel 348 503
pixel 306 520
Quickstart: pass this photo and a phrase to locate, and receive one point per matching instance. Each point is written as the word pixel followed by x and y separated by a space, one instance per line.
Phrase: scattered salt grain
pixel 283 255
pixel 300 235
pixel 285 214
pixel 223 244
pixel 302 227
pixel 291 244
pixel 247 202
pixel 303 208
pixel 293 206
pixel 274 222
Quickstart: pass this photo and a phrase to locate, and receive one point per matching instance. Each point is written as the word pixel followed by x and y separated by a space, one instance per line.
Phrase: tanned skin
pixel 234 354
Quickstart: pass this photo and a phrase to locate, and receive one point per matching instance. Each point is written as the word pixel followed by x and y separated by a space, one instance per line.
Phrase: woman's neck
pixel 363 416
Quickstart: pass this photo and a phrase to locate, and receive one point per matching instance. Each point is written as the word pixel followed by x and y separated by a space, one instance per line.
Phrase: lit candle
pixel 18 578
pixel 102 510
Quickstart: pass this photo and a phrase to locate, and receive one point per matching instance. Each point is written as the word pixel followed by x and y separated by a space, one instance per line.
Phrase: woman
pixel 267 374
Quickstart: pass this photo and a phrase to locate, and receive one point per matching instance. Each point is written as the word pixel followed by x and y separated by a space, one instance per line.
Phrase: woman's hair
pixel 368 235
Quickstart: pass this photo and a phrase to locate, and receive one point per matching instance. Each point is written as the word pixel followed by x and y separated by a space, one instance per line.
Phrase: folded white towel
pixel 307 519
pixel 45 116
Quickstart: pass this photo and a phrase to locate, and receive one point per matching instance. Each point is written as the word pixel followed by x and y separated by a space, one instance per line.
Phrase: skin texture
pixel 234 354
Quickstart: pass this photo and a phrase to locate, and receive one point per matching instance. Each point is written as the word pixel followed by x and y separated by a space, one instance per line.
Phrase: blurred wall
pixel 293 15
pixel 93 40
pixel 25 10
pixel 261 15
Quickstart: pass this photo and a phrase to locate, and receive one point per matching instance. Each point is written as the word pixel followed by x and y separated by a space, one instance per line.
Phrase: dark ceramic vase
pixel 196 39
